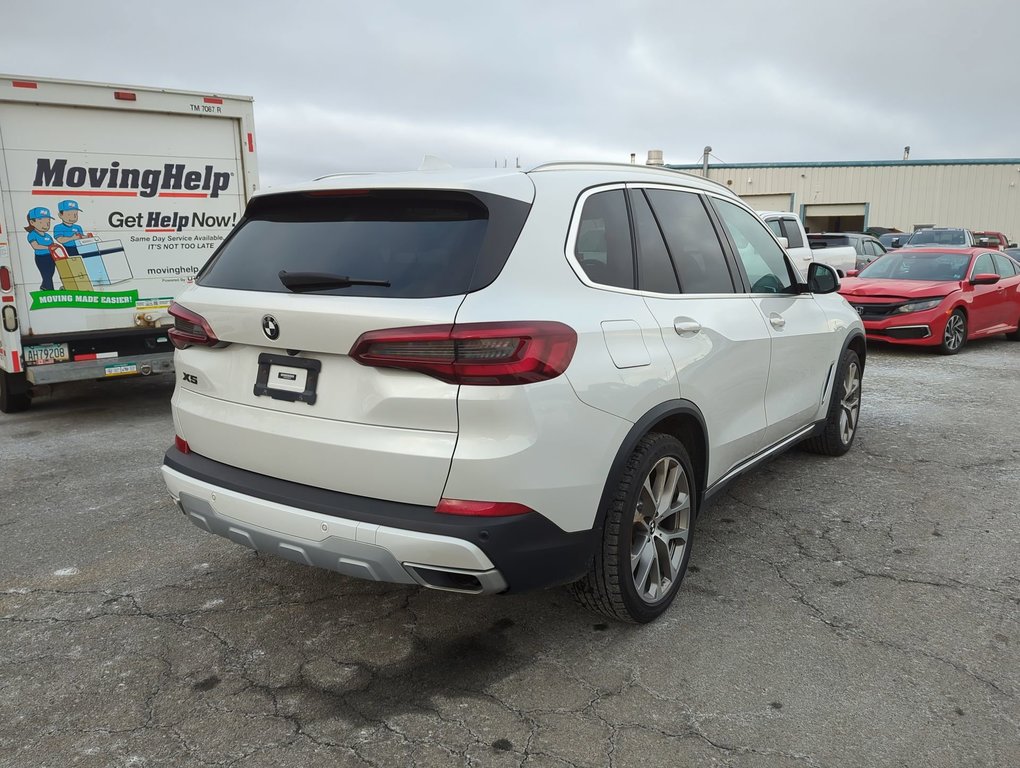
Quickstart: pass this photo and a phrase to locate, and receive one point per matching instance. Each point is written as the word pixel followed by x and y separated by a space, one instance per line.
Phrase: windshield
pixel 938 237
pixel 410 244
pixel 903 265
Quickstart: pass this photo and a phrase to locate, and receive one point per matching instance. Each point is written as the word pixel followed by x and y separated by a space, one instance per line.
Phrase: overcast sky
pixel 376 85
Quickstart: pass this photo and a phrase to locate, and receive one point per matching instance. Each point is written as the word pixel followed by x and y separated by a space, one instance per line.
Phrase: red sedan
pixel 937 297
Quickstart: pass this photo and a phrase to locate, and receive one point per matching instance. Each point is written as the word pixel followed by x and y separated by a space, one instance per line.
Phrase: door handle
pixel 686 326
pixel 777 320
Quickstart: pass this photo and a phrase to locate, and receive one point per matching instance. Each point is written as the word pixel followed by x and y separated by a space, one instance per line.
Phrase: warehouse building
pixel 895 194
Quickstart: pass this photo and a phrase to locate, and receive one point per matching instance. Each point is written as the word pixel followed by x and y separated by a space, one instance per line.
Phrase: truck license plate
pixel 41 354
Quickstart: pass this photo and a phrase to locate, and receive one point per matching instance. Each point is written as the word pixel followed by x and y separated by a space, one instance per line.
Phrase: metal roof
pixel 854 163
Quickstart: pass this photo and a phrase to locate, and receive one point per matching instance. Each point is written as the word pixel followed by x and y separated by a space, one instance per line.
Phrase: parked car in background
pixel 866 247
pixel 1013 253
pixel 937 297
pixel 952 237
pixel 993 240
pixel 891 240
pixel 790 231
pixel 414 378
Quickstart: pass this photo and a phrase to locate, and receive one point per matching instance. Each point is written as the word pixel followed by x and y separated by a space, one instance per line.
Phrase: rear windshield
pixel 938 237
pixel 828 241
pixel 424 243
pixel 903 265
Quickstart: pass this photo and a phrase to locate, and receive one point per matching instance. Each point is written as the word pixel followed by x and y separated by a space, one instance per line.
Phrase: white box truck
pixel 111 200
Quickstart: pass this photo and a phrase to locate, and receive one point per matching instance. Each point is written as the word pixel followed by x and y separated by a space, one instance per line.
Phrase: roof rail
pixel 596 164
pixel 345 173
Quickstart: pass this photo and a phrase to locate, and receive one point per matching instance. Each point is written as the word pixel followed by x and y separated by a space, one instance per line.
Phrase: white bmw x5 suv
pixel 497 381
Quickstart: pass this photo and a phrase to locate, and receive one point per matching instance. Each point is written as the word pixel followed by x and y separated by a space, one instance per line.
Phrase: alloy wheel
pixel 955 332
pixel 660 531
pixel 850 404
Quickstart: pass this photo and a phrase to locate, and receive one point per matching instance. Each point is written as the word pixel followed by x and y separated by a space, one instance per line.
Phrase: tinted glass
pixel 763 260
pixel 793 233
pixel 424 244
pixel 692 241
pixel 984 265
pixel 828 241
pixel 603 246
pixel 938 237
pixel 1004 266
pixel 908 265
pixel 655 270
pixel 775 227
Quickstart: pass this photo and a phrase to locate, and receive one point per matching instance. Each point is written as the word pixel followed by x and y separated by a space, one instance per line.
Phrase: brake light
pixel 5 279
pixel 483 354
pixel 481 508
pixel 181 444
pixel 190 329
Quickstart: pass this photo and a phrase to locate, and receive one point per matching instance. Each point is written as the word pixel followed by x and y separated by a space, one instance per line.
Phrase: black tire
pixel 844 412
pixel 1015 336
pixel 954 337
pixel 14 390
pixel 610 586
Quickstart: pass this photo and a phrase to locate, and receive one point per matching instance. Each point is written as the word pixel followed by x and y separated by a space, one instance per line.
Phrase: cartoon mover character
pixel 39 221
pixel 68 231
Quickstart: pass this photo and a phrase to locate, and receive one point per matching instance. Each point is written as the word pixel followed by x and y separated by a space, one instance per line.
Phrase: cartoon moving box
pixel 105 260
pixel 73 275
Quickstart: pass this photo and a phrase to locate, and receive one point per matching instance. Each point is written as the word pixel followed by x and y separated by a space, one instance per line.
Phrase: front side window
pixel 764 261
pixel 603 247
pixel 692 241
pixel 793 238
pixel 984 265
pixel 776 228
pixel 1004 266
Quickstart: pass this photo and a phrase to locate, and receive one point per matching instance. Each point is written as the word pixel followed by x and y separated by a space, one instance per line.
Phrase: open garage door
pixel 780 201
pixel 836 217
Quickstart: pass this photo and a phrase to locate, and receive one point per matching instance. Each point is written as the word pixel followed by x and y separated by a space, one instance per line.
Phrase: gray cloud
pixel 356 86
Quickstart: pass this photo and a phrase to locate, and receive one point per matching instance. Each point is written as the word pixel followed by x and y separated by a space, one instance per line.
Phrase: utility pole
pixel 704 162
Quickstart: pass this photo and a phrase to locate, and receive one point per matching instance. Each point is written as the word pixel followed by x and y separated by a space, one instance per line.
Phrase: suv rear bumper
pixel 373 538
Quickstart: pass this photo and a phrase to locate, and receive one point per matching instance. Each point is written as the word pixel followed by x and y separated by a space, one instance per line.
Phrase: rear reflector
pixel 24 84
pixel 181 444
pixel 124 96
pixel 481 508
pixel 483 354
pixel 5 279
pixel 212 100
pixel 190 329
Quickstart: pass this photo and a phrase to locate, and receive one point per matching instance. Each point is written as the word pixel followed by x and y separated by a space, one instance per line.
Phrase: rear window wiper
pixel 300 282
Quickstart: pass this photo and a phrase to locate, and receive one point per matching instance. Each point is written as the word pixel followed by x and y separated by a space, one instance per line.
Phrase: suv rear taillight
pixel 486 354
pixel 190 329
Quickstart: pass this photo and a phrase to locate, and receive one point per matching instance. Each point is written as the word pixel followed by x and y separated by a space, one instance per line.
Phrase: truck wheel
pixel 14 392
pixel 646 538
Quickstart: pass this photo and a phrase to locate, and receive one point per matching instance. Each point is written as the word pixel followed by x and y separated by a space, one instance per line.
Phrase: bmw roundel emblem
pixel 270 327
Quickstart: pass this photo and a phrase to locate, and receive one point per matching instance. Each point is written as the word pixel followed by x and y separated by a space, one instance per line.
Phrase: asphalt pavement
pixel 860 611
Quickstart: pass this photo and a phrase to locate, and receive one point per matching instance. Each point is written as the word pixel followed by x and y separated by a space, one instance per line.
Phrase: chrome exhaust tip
pixel 456 580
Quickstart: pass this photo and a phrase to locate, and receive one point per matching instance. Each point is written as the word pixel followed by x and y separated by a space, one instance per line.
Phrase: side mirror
pixel 852 272
pixel 784 241
pixel 821 278
pixel 985 278
pixel 895 242
pixel 1011 245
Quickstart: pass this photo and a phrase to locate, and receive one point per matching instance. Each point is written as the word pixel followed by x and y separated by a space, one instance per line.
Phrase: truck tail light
pixel 190 329
pixel 5 279
pixel 125 96
pixel 482 354
pixel 481 508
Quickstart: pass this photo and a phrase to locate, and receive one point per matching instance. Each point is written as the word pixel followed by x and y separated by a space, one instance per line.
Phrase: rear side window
pixel 793 238
pixel 692 241
pixel 603 247
pixel 423 243
pixel 655 270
